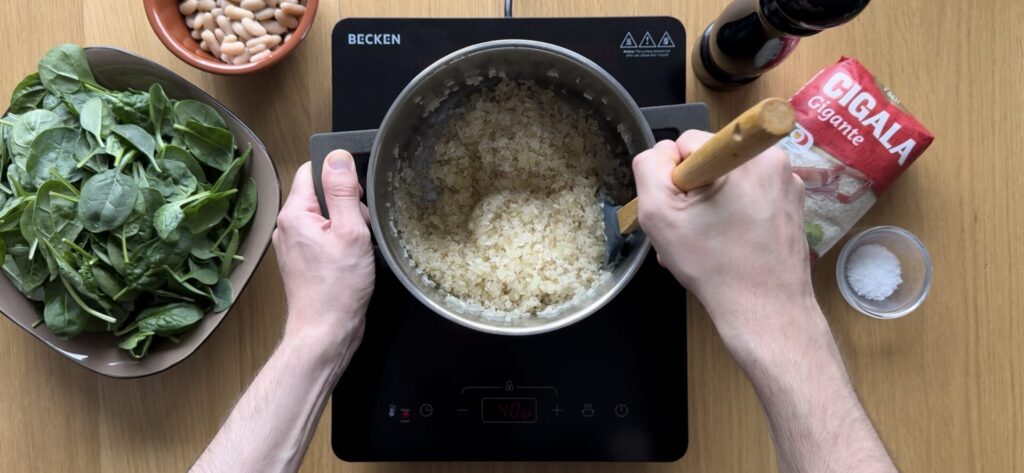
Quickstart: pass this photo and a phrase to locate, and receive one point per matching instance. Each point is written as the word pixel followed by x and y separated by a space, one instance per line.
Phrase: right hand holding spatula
pixel 739 246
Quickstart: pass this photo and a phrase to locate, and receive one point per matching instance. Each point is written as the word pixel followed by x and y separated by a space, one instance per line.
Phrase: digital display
pixel 514 410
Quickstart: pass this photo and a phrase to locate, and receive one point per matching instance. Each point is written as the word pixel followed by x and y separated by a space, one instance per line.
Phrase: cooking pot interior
pixel 420 114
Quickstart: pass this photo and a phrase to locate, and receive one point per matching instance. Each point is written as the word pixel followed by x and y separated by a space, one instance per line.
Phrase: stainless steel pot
pixel 423 106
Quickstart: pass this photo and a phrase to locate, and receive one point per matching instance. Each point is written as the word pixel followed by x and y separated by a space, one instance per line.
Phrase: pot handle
pixel 359 143
pixel 673 120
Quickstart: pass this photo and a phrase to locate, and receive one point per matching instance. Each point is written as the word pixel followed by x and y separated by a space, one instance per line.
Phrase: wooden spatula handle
pixel 748 135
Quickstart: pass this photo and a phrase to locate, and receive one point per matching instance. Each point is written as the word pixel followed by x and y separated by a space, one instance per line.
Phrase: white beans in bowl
pixel 241 31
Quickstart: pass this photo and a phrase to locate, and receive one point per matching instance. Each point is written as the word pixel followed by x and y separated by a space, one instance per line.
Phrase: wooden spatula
pixel 748 135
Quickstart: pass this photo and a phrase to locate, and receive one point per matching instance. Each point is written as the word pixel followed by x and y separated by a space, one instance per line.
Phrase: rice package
pixel 852 140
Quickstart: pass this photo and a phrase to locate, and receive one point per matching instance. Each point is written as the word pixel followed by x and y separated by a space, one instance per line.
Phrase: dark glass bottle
pixel 752 36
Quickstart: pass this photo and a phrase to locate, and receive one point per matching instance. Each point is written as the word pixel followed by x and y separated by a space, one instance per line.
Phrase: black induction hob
pixel 609 388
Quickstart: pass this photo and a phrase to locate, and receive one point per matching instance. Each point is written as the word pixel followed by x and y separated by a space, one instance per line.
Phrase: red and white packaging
pixel 853 139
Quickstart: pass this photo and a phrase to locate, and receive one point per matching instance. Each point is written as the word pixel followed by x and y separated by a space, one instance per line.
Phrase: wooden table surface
pixel 945 385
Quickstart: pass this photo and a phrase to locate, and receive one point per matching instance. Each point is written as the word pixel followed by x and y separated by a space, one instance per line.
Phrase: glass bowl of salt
pixel 884 272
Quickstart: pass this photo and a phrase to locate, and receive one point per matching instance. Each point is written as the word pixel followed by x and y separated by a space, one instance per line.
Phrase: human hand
pixel 737 244
pixel 327 264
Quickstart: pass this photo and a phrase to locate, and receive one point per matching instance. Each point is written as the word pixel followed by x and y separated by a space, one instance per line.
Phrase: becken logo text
pixel 374 39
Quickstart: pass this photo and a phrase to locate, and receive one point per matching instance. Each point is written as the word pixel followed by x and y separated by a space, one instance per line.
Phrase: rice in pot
pixel 506 218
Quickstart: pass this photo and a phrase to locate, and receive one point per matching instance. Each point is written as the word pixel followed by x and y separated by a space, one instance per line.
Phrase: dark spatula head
pixel 614 241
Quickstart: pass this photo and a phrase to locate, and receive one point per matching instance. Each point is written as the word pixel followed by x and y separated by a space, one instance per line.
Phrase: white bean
pixel 287 37
pixel 233 48
pixel 195 35
pixel 188 7
pixel 253 28
pixel 206 5
pixel 219 34
pixel 208 22
pixel 254 5
pixel 204 46
pixel 241 59
pixel 236 13
pixel 240 30
pixel 285 19
pixel 190 21
pixel 217 12
pixel 211 41
pixel 269 40
pixel 265 14
pixel 258 48
pixel 224 23
pixel 293 9
pixel 259 57
pixel 273 27
pixel 272 3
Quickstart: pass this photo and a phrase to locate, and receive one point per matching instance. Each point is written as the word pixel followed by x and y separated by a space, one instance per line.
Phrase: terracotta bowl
pixel 169 25
pixel 98 352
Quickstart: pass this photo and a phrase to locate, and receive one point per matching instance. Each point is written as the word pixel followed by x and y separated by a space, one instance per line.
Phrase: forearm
pixel 270 428
pixel 815 417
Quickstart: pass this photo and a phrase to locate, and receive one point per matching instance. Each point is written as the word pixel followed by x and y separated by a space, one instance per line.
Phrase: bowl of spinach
pixel 134 208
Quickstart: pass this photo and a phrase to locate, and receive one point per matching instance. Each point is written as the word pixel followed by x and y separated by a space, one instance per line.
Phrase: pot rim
pixel 472 321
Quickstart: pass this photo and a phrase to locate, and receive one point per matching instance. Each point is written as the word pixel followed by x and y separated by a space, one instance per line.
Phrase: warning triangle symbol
pixel 666 41
pixel 647 41
pixel 628 42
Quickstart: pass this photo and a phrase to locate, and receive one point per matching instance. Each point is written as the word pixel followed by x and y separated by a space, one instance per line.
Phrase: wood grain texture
pixel 944 385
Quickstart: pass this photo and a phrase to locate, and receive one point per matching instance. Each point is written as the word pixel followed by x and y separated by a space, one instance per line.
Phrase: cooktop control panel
pixel 421 388
pixel 505 404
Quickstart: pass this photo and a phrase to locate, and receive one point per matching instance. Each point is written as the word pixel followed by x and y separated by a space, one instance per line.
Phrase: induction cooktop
pixel 421 388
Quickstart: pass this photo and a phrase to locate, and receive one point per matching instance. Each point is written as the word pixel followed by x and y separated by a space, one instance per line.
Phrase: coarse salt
pixel 873 272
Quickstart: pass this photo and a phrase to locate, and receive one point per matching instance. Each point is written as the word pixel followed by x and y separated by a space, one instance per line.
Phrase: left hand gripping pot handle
pixel 359 143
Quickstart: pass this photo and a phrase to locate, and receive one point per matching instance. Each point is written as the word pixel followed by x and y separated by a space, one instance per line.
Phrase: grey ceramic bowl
pixel 98 352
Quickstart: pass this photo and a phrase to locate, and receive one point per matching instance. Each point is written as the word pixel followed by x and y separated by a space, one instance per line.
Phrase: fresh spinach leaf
pixel 201 219
pixel 187 110
pixel 55 216
pixel 107 281
pixel 176 182
pixel 62 314
pixel 229 179
pixel 245 205
pixel 222 295
pixel 137 344
pixel 210 145
pixel 26 273
pixel 56 150
pixel 168 319
pixel 167 220
pixel 107 201
pixel 161 112
pixel 228 257
pixel 179 154
pixel 28 94
pixel 97 119
pixel 65 69
pixel 28 127
pixel 204 272
pixel 140 139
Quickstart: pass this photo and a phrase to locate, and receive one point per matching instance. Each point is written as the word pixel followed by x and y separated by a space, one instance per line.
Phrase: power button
pixel 621 410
